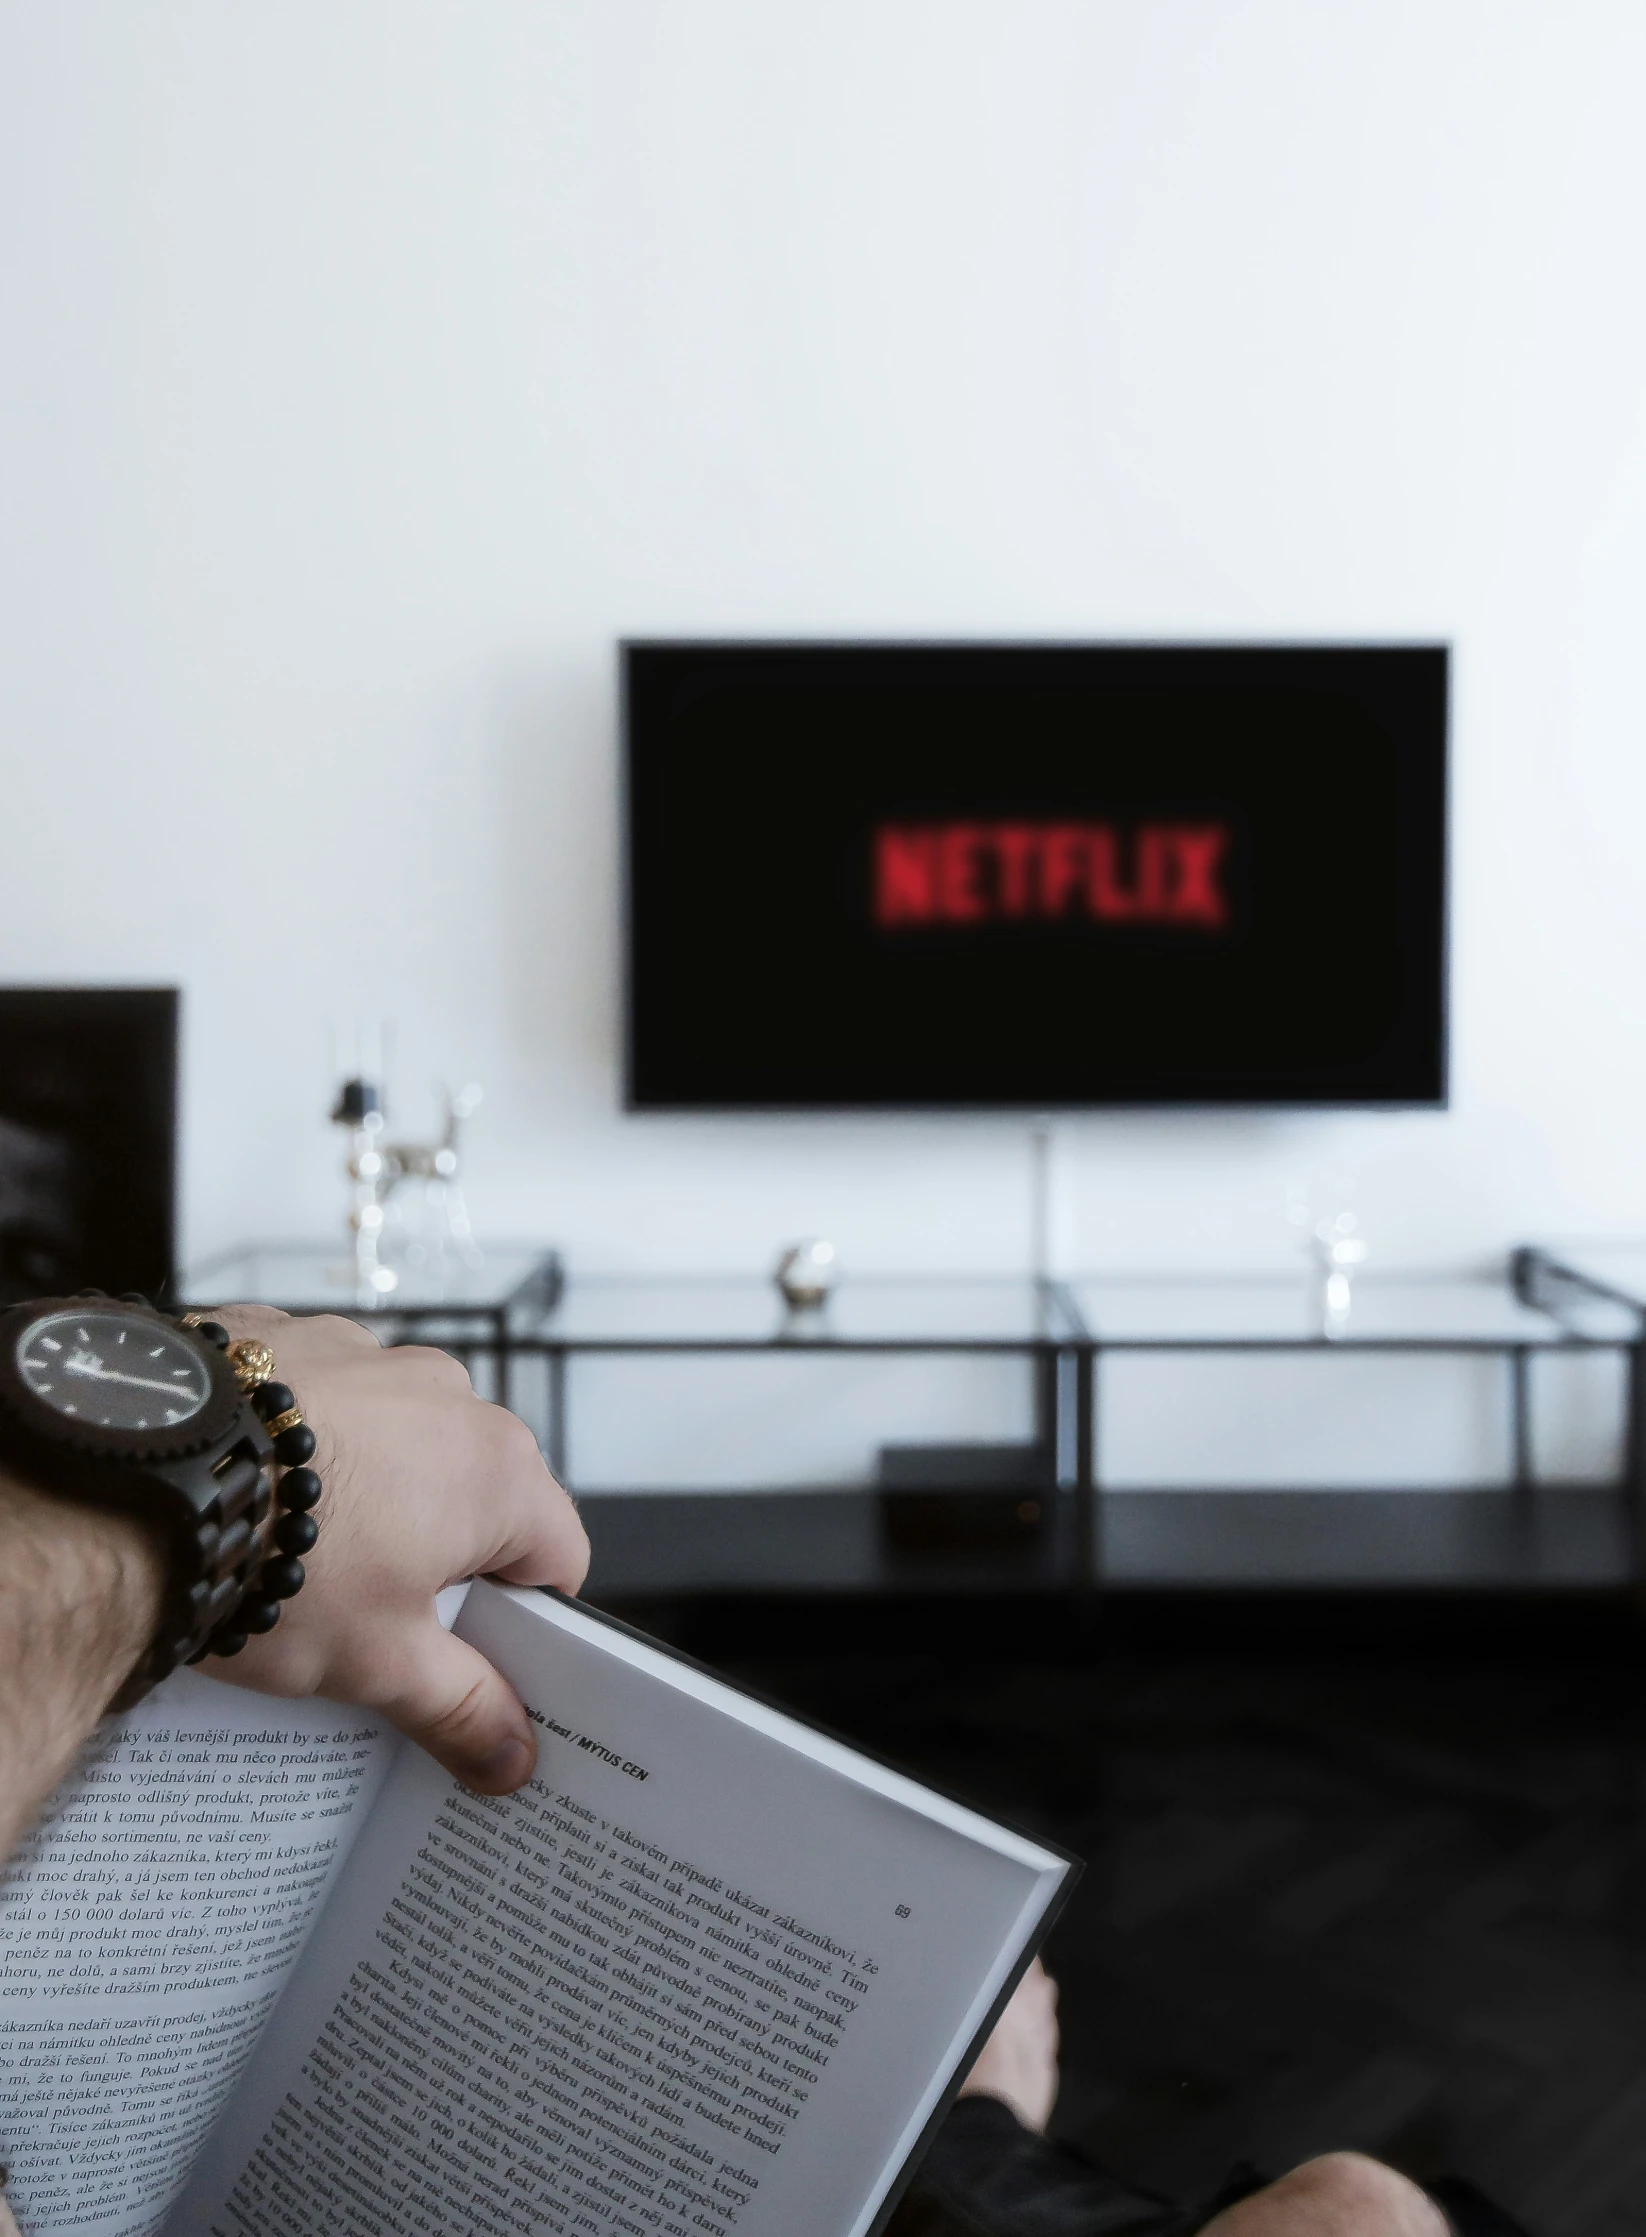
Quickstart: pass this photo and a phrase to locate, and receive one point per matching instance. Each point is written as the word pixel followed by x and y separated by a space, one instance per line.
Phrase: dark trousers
pixel 986 2175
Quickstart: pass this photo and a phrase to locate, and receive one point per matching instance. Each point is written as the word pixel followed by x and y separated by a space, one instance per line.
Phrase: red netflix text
pixel 982 873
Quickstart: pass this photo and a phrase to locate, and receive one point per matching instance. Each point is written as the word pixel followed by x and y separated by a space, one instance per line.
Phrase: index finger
pixel 532 1531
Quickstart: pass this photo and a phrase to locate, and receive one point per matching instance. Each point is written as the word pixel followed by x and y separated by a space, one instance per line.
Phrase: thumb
pixel 453 1703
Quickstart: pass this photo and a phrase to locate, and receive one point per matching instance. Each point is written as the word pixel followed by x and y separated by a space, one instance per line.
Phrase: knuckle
pixel 333 1328
pixel 431 1365
pixel 512 1446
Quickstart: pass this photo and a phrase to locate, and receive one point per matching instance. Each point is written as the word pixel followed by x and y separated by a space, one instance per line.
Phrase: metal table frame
pixel 1542 1279
pixel 1067 1359
pixel 469 1329
pixel 1053 1357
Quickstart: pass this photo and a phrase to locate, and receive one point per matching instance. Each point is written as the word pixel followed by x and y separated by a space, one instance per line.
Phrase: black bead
pixel 134 1297
pixel 295 1445
pixel 300 1489
pixel 258 1613
pixel 271 1399
pixel 225 1640
pixel 296 1533
pixel 212 1332
pixel 282 1578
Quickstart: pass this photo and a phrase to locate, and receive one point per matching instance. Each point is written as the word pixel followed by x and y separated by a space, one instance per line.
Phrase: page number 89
pixel 903 1910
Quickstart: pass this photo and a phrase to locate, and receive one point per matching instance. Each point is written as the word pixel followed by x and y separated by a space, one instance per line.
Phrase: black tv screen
pixel 88 1104
pixel 1035 876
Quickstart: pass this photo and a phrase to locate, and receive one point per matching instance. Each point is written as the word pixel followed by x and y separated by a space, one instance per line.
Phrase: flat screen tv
pixel 1035 876
pixel 88 1102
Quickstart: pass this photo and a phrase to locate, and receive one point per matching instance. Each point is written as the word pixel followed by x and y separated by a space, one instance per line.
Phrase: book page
pixel 708 1972
pixel 147 1926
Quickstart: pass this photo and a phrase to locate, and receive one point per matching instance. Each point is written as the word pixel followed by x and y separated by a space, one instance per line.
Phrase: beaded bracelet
pixel 280 1576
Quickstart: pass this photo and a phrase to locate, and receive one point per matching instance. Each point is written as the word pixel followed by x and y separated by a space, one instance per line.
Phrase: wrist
pixel 81 1591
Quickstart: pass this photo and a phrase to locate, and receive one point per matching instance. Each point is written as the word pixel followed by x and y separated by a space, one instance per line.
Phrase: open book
pixel 267 1971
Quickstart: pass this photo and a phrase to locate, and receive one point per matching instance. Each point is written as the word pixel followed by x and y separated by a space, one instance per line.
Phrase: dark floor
pixel 1359 1874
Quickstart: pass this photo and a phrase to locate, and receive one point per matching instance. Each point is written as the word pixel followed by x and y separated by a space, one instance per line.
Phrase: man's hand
pixel 425 1484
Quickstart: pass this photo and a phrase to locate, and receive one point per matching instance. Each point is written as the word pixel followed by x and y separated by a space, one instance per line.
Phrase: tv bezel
pixel 1023 1106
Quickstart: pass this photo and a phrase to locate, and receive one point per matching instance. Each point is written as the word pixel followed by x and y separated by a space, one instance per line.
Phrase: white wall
pixel 367 367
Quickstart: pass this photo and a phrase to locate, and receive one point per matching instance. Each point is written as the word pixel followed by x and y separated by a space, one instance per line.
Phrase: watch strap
pixel 216 1507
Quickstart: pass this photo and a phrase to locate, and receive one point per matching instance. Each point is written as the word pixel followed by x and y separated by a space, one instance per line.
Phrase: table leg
pixel 1634 1466
pixel 1046 1438
pixel 557 1414
pixel 1088 1550
pixel 1520 1400
pixel 503 1355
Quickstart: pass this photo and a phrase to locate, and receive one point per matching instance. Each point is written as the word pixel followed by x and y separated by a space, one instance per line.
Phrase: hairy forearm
pixel 80 1598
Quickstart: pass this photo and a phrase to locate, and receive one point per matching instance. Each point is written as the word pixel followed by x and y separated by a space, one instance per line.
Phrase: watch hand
pixel 89 1365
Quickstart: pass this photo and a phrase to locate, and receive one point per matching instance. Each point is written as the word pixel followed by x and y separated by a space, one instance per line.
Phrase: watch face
pixel 113 1371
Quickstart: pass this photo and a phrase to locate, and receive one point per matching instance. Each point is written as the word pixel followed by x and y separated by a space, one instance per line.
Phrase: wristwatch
pixel 108 1402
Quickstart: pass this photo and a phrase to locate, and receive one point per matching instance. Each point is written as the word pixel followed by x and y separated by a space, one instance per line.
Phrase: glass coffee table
pixel 1502 1528
pixel 1508 1530
pixel 1057 1510
pixel 953 1517
pixel 473 1312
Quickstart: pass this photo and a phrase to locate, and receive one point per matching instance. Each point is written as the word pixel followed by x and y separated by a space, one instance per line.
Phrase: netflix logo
pixel 1154 873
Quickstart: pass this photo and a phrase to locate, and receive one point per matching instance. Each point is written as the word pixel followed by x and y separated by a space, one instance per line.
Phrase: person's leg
pixel 1018 2064
pixel 991 2172
pixel 1342 2194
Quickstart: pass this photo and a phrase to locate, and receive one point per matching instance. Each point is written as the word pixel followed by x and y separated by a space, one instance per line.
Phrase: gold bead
pixel 253 1363
pixel 292 1418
